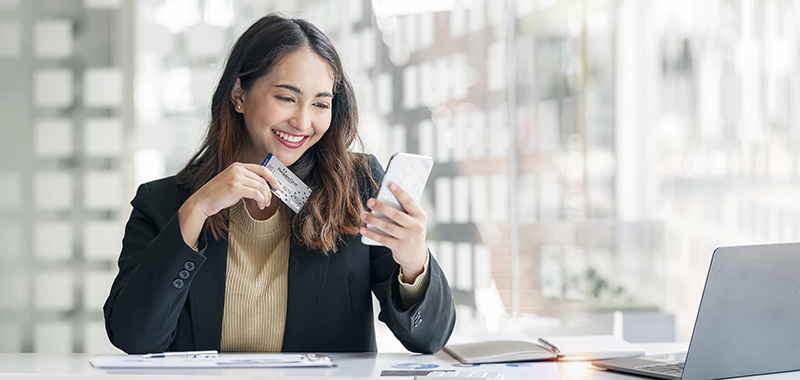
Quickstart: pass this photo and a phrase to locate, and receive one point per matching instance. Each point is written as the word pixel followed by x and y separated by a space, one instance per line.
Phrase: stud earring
pixel 238 107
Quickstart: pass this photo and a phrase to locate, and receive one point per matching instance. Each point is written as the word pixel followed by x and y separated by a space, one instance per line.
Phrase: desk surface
pixel 349 365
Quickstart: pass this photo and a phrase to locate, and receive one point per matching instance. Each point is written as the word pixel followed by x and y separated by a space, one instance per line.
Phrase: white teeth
pixel 288 138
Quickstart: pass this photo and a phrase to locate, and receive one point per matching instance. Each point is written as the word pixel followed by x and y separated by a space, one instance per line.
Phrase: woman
pixel 211 260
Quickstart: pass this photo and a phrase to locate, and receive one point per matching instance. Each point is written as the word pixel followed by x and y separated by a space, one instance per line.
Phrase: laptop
pixel 748 322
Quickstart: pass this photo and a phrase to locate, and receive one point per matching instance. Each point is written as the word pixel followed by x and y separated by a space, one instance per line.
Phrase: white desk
pixel 349 365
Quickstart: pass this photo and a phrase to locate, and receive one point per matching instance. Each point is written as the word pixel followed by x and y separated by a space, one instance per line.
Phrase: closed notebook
pixel 592 347
pixel 498 351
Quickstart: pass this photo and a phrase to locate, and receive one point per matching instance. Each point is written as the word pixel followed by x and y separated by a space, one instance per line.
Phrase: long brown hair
pixel 328 167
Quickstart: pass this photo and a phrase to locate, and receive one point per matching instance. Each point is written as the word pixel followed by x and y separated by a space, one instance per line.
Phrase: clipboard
pixel 214 361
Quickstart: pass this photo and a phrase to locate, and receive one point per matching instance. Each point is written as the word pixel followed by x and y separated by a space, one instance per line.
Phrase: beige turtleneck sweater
pixel 256 281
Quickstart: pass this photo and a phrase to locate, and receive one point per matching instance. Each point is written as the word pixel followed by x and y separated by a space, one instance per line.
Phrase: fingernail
pixel 371 203
pixel 364 216
pixel 392 186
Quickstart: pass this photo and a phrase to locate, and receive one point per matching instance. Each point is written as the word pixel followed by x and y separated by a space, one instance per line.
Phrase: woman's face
pixel 288 110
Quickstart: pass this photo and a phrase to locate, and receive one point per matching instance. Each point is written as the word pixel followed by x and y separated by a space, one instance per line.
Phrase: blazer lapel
pixel 308 272
pixel 207 296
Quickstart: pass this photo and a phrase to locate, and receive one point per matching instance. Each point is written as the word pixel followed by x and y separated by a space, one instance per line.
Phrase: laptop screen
pixel 749 314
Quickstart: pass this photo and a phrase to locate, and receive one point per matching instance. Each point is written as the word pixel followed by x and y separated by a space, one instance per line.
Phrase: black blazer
pixel 167 297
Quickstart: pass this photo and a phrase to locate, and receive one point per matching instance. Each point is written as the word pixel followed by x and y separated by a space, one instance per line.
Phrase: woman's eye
pixel 323 106
pixel 284 98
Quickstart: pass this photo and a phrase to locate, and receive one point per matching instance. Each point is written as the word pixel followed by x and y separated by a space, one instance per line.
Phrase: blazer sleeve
pixel 426 326
pixel 156 269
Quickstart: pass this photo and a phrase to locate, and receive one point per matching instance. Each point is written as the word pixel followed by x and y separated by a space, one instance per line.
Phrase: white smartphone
pixel 410 172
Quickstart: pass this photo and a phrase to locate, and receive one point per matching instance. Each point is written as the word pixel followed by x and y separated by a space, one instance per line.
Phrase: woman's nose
pixel 301 119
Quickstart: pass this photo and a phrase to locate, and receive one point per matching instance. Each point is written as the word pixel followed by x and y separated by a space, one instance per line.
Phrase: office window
pixel 102 190
pixel 464 264
pixel 10 44
pixel 52 190
pixel 53 88
pixel 496 66
pixel 479 134
pixel 410 87
pixel 66 122
pixel 12 338
pixel 102 239
pixel 479 193
pixel 103 137
pixel 53 39
pixel 11 235
pixel 459 137
pixel 629 140
pixel 458 20
pixel 53 241
pixel 385 97
pixel 461 197
pixel 53 138
pixel 426 141
pixel 54 291
pixel 102 87
pixel 444 141
pixel 16 294
pixel 10 188
pixel 447 257
pixel 443 200
pixel 53 337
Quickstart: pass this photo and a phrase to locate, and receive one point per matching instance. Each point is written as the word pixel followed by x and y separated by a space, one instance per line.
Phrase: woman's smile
pixel 289 140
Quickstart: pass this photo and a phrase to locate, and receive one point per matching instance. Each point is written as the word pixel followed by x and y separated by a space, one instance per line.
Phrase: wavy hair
pixel 328 167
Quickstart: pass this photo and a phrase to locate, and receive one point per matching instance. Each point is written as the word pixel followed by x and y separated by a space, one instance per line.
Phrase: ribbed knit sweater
pixel 256 282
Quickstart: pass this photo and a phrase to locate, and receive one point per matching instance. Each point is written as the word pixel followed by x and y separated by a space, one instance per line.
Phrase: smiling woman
pixel 261 96
pixel 211 261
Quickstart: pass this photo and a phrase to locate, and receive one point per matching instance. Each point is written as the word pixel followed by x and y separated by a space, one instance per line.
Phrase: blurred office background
pixel 590 154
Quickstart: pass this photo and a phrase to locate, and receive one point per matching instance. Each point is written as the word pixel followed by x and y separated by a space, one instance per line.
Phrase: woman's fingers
pixel 257 190
pixel 237 181
pixel 413 216
pixel 397 216
pixel 411 207
pixel 262 172
pixel 390 242
pixel 401 224
pixel 387 226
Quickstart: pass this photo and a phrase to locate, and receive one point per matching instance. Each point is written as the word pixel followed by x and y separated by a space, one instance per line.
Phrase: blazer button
pixel 184 274
pixel 178 283
pixel 188 266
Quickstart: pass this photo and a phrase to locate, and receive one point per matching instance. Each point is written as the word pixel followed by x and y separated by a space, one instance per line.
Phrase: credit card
pixel 292 190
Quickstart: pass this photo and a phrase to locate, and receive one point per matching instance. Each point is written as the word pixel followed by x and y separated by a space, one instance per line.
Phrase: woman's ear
pixel 237 96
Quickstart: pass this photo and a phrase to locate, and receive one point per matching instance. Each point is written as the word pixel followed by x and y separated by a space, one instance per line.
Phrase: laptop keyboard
pixel 672 369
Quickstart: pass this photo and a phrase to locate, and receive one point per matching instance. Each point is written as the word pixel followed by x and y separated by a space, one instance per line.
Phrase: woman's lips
pixel 289 140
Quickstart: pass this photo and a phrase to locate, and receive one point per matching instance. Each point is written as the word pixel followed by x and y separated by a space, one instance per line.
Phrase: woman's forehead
pixel 303 69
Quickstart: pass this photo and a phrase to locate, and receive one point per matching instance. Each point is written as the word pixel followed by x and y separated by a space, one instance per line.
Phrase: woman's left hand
pixel 406 231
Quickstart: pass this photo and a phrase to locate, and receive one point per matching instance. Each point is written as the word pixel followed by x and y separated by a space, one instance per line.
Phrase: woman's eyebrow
pixel 299 92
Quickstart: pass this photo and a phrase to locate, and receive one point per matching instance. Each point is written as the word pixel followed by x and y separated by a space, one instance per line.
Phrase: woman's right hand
pixel 237 181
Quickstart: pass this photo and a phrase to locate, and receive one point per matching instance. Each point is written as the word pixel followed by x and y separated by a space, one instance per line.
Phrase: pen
pixel 550 346
pixel 180 354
